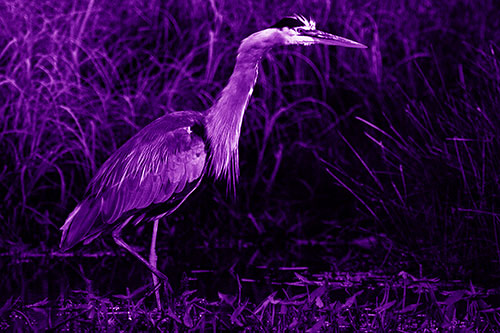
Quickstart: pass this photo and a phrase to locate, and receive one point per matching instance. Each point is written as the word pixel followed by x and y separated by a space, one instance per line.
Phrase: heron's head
pixel 297 30
pixel 294 30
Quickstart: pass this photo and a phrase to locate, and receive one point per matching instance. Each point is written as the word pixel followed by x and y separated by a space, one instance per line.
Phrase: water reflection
pixel 36 276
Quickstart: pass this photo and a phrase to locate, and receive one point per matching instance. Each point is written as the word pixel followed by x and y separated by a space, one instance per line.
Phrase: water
pixel 100 290
pixel 36 276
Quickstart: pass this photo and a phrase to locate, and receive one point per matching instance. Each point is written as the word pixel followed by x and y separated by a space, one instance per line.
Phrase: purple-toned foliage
pixel 396 142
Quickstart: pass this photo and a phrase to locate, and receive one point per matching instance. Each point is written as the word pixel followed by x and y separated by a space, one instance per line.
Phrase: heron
pixel 153 173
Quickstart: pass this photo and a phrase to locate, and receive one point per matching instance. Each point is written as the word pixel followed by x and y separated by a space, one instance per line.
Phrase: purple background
pixel 398 142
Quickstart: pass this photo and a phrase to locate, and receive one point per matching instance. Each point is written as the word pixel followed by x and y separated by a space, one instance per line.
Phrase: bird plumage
pixel 155 166
pixel 153 172
pixel 225 117
pixel 159 167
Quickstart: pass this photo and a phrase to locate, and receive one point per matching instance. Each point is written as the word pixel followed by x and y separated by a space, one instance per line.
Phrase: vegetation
pixel 379 160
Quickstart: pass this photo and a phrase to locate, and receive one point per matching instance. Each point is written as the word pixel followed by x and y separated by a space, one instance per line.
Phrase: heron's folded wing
pixel 150 168
pixel 149 172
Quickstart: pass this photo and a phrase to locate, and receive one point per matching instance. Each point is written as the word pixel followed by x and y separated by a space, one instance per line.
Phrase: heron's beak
pixel 326 38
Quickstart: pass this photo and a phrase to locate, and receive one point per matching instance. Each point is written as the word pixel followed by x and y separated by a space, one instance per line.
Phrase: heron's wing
pixel 148 169
pixel 153 167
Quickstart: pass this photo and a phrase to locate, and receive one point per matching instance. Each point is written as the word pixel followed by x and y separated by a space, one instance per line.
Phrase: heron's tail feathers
pixel 79 223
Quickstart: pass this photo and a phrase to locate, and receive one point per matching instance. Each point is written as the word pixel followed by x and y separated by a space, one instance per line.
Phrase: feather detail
pixel 225 117
pixel 78 223
pixel 308 24
pixel 163 159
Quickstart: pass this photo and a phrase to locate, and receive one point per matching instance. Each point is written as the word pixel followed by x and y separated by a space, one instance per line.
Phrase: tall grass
pixel 399 139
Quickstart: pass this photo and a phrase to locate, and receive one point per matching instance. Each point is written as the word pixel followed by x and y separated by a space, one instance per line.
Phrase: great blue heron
pixel 158 168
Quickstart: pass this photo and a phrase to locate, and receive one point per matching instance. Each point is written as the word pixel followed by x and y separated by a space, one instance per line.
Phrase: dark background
pixel 384 158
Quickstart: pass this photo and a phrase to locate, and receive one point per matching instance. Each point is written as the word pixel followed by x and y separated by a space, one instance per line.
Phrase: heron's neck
pixel 224 119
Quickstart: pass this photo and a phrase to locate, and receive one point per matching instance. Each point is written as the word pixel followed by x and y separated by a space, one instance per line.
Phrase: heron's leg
pixel 121 242
pixel 153 258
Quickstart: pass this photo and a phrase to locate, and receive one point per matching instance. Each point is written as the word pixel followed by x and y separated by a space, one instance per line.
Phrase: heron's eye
pixel 300 30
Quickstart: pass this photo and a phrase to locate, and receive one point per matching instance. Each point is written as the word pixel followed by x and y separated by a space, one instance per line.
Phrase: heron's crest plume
pixel 295 21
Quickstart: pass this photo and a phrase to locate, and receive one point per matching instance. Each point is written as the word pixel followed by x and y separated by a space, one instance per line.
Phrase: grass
pixel 310 302
pixel 397 143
